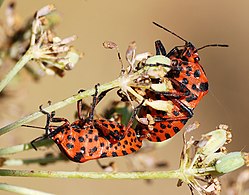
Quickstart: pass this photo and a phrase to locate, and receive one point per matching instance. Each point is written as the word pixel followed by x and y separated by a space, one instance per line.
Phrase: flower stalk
pixel 21 190
pixel 19 65
pixel 59 105
pixel 92 175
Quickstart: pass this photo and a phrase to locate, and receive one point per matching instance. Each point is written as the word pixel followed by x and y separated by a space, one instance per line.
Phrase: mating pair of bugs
pixel 87 139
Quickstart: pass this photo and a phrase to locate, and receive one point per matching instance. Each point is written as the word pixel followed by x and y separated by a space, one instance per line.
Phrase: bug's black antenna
pixel 213 45
pixel 36 127
pixel 160 26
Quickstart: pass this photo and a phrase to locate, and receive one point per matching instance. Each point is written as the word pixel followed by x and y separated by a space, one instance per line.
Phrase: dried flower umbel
pixel 204 160
pixel 53 54
pixel 135 78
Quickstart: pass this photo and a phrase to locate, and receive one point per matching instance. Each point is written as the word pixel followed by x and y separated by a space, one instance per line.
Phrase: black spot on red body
pixel 176 113
pixel 158 139
pixel 78 157
pixel 90 131
pixel 114 154
pixel 96 137
pixel 103 155
pixel 167 136
pixel 204 86
pixel 112 125
pixel 105 125
pixel 176 129
pixel 197 74
pixel 92 150
pixel 69 146
pixel 185 81
pixel 163 126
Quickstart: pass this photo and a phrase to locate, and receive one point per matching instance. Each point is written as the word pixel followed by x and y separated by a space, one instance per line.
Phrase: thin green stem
pixel 59 105
pixel 1 2
pixel 42 161
pixel 19 65
pixel 21 190
pixel 23 147
pixel 175 174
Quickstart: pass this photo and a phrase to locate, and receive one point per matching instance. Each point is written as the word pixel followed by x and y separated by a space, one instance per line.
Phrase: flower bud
pixel 212 141
pixel 230 162
pixel 159 60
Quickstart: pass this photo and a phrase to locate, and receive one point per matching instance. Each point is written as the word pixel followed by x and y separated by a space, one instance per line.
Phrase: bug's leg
pixel 180 90
pixel 79 106
pixel 50 118
pixel 94 103
pixel 119 132
pixel 160 50
pixel 133 116
pixel 97 100
pixel 102 95
pixel 46 128
pixel 32 143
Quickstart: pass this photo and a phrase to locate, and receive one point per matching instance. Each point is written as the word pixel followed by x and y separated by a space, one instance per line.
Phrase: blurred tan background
pixel 201 22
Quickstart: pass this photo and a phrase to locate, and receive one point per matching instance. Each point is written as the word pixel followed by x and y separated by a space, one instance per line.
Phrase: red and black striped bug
pixel 88 139
pixel 189 83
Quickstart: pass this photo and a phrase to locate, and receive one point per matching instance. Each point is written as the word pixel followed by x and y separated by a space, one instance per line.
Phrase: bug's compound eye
pixel 197 59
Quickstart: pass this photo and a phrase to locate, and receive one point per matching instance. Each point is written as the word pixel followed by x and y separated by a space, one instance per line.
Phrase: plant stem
pixel 1 2
pixel 42 161
pixel 21 190
pixel 23 147
pixel 19 65
pixel 93 175
pixel 59 105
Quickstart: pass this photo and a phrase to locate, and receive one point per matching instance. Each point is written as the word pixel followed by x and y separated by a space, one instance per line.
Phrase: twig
pixel 21 190
pixel 23 147
pixel 19 65
pixel 42 161
pixel 59 105
pixel 93 175
pixel 1 2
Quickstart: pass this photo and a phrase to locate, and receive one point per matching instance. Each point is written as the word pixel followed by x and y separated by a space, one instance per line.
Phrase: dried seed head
pixel 52 53
pixel 44 11
pixel 214 187
pixel 109 45
pixel 246 158
pixel 142 56
pixel 150 119
pixel 192 126
pixel 131 54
